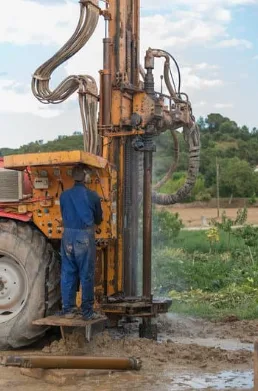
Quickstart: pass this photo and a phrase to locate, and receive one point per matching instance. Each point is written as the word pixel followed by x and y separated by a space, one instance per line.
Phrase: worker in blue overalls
pixel 81 211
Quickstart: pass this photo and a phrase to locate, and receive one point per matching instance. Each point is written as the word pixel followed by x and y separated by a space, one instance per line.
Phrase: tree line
pixel 223 142
pixel 233 147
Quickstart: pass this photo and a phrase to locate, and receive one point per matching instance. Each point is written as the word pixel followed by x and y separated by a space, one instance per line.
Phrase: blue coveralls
pixel 81 210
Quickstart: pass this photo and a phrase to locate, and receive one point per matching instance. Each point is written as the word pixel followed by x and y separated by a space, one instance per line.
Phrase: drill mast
pixel 131 115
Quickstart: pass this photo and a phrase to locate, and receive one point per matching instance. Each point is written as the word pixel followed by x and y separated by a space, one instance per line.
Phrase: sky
pixel 214 42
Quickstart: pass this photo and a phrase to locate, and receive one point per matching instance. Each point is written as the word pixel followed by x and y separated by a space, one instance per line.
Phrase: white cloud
pixel 81 62
pixel 192 81
pixel 187 30
pixel 21 128
pixel 230 43
pixel 222 15
pixel 61 21
pixel 15 102
pixel 26 22
pixel 203 5
pixel 223 105
pixel 200 104
pixel 205 66
pixel 256 57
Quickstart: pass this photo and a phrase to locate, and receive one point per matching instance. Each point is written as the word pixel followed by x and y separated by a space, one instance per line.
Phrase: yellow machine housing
pixel 50 174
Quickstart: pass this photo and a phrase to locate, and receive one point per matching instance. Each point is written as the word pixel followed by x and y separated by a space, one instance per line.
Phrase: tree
pixel 245 134
pixel 238 178
pixel 214 121
pixel 228 127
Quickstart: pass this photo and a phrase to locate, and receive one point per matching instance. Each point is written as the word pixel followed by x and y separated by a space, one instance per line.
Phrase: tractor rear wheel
pixel 29 283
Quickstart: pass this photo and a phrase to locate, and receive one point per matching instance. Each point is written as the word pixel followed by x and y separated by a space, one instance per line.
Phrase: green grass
pixel 246 310
pixel 207 284
pixel 210 281
pixel 191 241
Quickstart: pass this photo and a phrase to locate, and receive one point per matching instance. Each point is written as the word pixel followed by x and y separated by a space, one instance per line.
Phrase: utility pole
pixel 217 180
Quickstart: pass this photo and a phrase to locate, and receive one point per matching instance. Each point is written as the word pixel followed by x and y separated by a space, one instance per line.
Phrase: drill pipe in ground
pixel 71 362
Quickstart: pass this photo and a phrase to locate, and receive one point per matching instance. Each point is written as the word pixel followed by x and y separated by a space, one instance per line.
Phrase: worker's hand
pixel 98 230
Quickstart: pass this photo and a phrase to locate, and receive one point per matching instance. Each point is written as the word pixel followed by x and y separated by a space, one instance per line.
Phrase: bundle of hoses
pixel 85 85
pixel 192 137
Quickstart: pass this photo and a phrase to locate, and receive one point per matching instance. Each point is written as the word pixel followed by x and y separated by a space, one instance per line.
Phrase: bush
pixel 252 200
pixel 166 227
pixel 203 196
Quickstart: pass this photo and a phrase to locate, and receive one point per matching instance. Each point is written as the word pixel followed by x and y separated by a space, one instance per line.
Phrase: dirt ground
pixel 191 354
pixel 193 217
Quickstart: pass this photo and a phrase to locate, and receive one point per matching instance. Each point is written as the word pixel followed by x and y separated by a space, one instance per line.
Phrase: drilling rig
pixel 122 116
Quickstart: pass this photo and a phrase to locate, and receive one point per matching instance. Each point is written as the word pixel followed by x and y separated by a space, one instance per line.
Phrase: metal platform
pixel 63 322
pixel 115 308
pixel 137 308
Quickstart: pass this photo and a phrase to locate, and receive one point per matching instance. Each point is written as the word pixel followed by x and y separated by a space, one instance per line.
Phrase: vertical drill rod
pixel 147 224
pixel 106 83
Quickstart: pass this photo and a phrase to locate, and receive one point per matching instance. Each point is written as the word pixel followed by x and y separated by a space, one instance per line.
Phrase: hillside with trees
pixel 233 148
pixel 62 143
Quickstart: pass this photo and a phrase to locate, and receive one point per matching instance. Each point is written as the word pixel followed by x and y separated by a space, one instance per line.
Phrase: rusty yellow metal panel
pixel 144 106
pixel 112 265
pixel 45 204
pixel 116 108
pixel 20 162
pixel 121 108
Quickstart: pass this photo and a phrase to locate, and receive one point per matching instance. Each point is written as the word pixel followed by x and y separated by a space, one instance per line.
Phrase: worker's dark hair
pixel 78 173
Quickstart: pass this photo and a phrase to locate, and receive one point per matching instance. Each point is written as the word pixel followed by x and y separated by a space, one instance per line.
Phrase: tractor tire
pixel 29 283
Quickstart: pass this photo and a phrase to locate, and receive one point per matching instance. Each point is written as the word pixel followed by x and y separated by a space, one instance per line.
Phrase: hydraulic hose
pixel 84 84
pixel 190 130
pixel 192 137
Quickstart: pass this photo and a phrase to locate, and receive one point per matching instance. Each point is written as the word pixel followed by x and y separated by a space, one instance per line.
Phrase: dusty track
pixel 192 217
pixel 191 355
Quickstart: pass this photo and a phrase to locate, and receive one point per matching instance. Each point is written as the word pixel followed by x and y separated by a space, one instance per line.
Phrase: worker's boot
pixel 95 316
pixel 69 314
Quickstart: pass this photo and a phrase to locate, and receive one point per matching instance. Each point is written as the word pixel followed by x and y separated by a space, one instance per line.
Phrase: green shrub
pixel 166 227
pixel 203 196
pixel 252 200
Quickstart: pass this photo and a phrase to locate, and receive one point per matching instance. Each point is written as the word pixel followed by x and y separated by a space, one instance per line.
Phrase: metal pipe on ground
pixel 72 362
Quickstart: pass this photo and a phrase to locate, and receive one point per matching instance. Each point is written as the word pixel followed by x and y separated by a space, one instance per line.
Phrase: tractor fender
pixel 26 217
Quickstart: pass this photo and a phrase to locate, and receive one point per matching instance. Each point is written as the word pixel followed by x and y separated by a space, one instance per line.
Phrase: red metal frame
pixel 15 216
